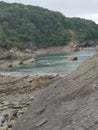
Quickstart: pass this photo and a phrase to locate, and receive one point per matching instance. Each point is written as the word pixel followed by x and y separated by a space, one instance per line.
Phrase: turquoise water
pixel 52 64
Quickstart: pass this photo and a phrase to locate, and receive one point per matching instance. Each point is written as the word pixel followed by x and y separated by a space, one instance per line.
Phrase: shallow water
pixel 52 64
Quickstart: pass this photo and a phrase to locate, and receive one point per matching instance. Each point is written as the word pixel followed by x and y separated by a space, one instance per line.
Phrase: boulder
pixel 7 64
pixel 16 63
pixel 32 60
pixel 11 123
pixel 74 58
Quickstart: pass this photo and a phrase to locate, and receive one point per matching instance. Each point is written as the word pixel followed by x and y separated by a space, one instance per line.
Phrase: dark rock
pixel 73 58
pixel 87 44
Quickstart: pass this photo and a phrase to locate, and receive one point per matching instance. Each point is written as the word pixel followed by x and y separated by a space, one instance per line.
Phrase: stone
pixel 11 123
pixel 32 60
pixel 97 50
pixel 4 128
pixel 7 64
pixel 1 120
pixel 13 115
pixel 74 58
pixel 15 63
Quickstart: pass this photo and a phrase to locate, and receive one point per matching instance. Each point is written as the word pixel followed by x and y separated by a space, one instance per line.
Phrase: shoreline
pixel 17 93
pixel 23 74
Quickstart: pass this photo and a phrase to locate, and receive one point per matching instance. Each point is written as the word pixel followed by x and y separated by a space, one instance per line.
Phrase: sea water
pixel 48 64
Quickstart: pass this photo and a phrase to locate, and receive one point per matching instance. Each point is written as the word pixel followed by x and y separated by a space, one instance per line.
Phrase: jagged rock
pixel 71 103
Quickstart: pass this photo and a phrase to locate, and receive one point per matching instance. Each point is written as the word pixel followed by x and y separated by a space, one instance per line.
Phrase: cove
pixel 55 64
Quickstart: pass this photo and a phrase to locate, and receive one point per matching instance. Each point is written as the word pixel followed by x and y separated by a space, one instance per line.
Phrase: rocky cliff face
pixel 69 104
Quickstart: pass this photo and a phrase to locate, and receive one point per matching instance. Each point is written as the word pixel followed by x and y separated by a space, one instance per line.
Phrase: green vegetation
pixel 21 24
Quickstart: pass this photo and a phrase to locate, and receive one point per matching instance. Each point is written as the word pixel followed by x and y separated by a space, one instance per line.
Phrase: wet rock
pixel 15 63
pixel 7 64
pixel 32 60
pixel 74 58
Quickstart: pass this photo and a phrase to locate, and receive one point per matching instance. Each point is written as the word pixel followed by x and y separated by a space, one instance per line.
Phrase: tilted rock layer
pixel 69 104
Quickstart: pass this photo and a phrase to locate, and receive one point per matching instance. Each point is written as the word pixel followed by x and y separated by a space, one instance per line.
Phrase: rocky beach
pixel 16 94
pixel 71 103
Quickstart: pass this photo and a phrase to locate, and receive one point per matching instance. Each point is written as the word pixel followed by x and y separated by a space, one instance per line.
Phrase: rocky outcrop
pixel 88 44
pixel 71 48
pixel 69 104
pixel 5 54
pixel 21 53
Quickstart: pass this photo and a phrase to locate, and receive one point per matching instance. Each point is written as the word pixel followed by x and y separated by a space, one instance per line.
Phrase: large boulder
pixel 69 104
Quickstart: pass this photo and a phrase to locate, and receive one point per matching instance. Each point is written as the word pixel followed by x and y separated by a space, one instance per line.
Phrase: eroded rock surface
pixel 16 94
pixel 69 104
